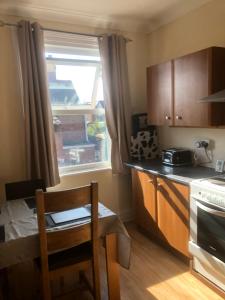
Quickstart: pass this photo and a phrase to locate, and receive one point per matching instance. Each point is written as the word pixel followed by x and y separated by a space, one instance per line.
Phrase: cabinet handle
pixel 168 117
pixel 159 185
pixel 178 118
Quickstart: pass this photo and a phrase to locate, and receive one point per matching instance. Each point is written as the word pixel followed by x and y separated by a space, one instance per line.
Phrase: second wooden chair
pixel 23 189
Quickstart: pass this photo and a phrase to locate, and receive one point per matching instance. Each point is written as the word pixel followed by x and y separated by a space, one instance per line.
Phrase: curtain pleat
pixel 117 98
pixel 41 155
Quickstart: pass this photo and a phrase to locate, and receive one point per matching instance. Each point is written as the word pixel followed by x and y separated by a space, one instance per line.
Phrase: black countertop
pixel 180 174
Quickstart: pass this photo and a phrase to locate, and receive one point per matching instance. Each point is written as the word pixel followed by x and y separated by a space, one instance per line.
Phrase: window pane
pixel 81 139
pixel 73 84
pixel 82 82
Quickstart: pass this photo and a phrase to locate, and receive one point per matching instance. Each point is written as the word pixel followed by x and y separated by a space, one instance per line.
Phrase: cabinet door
pixel 144 196
pixel 218 83
pixel 173 213
pixel 159 94
pixel 191 83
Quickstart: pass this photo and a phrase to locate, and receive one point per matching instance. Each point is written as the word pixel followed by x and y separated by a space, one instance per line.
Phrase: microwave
pixel 177 157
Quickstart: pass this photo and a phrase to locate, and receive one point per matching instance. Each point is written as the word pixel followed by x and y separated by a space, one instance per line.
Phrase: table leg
pixel 112 267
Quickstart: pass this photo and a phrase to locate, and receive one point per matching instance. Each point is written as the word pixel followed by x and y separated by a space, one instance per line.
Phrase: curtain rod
pixel 2 24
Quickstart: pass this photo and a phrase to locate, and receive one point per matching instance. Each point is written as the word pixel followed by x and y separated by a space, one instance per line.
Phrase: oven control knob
pixel 200 195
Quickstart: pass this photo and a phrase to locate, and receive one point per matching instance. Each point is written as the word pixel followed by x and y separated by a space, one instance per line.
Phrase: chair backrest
pixel 60 201
pixel 23 189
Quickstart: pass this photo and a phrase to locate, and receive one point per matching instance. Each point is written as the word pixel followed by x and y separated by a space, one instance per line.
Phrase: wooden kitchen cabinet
pixel 197 75
pixel 144 195
pixel 159 90
pixel 173 213
pixel 162 209
pixel 175 87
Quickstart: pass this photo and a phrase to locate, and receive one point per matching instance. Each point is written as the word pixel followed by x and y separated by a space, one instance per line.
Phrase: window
pixel 75 88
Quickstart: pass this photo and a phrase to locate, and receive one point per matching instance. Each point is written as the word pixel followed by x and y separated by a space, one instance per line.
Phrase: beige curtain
pixel 40 144
pixel 117 98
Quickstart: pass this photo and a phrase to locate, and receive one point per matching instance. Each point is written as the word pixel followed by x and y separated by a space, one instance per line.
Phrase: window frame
pixel 59 110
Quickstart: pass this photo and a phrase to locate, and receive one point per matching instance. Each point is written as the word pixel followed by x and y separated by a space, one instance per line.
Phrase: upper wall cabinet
pixel 191 77
pixel 159 90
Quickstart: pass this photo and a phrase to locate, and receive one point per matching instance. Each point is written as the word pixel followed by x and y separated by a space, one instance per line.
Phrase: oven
pixel 207 232
pixel 211 229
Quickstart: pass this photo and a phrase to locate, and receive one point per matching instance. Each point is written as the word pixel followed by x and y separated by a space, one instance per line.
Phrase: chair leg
pixel 46 288
pixel 112 267
pixel 83 280
pixel 96 272
pixel 80 277
pixel 62 284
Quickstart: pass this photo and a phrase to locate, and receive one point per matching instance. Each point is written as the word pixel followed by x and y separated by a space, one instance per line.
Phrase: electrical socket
pixel 201 143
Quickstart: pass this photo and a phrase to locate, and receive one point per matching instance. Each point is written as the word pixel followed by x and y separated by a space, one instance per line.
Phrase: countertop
pixel 183 175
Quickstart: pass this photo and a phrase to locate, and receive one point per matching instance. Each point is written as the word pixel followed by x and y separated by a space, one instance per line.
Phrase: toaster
pixel 177 157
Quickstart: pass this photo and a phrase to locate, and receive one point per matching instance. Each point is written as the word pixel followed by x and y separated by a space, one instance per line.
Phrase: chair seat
pixel 70 256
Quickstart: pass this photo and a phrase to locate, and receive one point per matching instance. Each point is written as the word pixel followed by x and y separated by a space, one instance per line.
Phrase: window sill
pixel 76 171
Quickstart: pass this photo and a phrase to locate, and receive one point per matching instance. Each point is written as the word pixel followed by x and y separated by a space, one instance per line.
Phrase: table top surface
pixel 20 221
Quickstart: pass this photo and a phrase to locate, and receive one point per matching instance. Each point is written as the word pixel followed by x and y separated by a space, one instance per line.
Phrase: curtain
pixel 117 99
pixel 41 156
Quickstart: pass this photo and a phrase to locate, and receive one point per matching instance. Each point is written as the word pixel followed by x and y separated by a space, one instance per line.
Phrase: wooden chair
pixel 23 189
pixel 81 243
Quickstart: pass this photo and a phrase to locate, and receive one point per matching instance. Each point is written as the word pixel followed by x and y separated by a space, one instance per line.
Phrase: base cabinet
pixel 144 194
pixel 173 213
pixel 162 209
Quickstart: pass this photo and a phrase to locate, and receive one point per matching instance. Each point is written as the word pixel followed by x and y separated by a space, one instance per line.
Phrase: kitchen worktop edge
pixel 181 174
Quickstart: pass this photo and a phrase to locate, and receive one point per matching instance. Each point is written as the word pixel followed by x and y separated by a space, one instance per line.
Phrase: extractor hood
pixel 217 97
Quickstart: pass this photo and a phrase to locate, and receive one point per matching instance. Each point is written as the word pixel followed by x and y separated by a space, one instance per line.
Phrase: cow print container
pixel 144 144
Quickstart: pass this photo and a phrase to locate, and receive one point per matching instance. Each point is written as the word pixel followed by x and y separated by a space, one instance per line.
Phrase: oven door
pixel 211 229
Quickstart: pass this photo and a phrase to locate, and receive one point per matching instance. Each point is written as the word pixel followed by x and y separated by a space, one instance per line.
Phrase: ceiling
pixel 134 15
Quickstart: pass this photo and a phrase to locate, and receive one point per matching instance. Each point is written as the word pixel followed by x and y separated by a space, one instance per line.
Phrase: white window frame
pixel 58 110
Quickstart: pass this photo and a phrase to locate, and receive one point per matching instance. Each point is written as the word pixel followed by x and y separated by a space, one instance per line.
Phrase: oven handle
pixel 210 210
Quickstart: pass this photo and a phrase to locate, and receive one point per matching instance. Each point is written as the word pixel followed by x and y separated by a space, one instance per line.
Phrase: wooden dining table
pixel 22 243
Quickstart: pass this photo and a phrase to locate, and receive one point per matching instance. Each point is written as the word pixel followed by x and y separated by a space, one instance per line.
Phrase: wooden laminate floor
pixel 157 274
pixel 154 274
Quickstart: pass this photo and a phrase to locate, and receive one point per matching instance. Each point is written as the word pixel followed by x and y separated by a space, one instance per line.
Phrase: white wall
pixel 12 158
pixel 196 30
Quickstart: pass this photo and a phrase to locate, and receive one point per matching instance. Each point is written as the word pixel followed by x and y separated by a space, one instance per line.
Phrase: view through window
pixel 76 92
